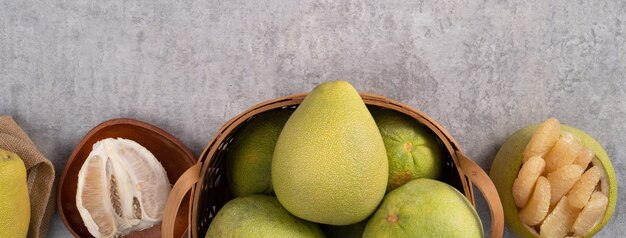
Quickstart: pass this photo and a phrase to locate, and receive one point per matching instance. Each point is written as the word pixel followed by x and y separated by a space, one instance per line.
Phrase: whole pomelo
pixel 249 156
pixel 413 150
pixel 14 200
pixel 329 164
pixel 424 208
pixel 259 216
pixel 508 161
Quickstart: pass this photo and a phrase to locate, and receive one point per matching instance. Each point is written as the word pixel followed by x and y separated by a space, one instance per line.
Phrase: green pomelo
pixel 259 216
pixel 424 208
pixel 508 161
pixel 14 199
pixel 413 150
pixel 249 157
pixel 329 163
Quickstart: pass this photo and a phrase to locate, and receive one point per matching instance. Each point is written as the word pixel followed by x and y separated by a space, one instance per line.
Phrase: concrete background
pixel 483 69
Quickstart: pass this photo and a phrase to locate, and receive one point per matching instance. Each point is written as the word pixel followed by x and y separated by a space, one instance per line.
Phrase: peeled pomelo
pixel 121 188
pixel 509 159
pixel 259 216
pixel 424 208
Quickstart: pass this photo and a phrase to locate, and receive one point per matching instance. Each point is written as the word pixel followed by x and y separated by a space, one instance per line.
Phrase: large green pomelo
pixel 329 164
pixel 249 156
pixel 259 216
pixel 413 150
pixel 424 208
pixel 508 161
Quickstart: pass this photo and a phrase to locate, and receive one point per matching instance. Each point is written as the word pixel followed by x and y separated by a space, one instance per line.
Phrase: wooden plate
pixel 173 155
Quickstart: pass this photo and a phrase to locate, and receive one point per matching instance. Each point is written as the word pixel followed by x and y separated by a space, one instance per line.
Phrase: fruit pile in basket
pixel 336 168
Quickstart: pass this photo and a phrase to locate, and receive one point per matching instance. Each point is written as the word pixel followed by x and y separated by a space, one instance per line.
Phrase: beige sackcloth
pixel 40 175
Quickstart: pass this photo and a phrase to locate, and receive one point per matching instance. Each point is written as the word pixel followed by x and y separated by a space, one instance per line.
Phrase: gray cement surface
pixel 483 69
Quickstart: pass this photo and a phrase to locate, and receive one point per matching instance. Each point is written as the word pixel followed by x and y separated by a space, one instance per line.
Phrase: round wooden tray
pixel 206 182
pixel 175 157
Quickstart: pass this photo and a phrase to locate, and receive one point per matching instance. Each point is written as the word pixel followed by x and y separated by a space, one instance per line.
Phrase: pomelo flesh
pixel 510 158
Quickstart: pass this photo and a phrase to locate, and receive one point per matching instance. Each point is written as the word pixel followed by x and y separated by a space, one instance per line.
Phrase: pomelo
pixel 565 176
pixel 259 216
pixel 424 208
pixel 14 200
pixel 413 150
pixel 330 164
pixel 249 157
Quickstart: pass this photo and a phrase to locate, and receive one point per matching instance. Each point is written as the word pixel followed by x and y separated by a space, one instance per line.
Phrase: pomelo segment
pixel 579 194
pixel 584 157
pixel 562 180
pixel 591 215
pixel 526 179
pixel 563 153
pixel 539 203
pixel 543 140
pixel 558 222
pixel 91 199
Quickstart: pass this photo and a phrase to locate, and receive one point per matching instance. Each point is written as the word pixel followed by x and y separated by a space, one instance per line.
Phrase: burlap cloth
pixel 40 175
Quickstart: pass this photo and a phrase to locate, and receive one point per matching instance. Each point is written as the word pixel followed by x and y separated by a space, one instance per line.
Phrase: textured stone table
pixel 482 70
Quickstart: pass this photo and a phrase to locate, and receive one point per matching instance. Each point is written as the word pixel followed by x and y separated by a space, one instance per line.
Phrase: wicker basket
pixel 209 192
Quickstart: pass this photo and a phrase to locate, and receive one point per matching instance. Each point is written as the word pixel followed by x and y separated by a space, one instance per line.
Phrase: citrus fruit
pixel 121 188
pixel 424 208
pixel 576 167
pixel 329 164
pixel 14 200
pixel 259 216
pixel 249 157
pixel 413 150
